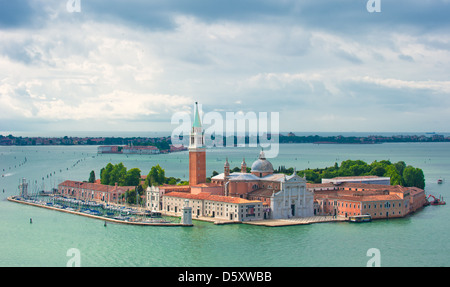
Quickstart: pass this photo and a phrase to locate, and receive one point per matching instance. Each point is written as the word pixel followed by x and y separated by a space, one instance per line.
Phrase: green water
pixel 418 240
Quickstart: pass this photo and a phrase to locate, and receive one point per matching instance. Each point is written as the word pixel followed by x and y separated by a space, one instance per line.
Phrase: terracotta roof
pixel 381 197
pixel 358 177
pixel 365 187
pixel 207 196
pixel 207 184
pixel 174 187
pixel 263 192
pixel 95 186
pixel 140 148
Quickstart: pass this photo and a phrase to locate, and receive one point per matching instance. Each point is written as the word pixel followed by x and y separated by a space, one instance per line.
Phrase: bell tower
pixel 197 152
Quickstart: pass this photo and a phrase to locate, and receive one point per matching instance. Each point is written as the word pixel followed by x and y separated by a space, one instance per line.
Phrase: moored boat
pixel 360 218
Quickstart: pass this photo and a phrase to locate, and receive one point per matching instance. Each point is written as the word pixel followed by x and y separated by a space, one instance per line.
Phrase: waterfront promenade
pixel 104 218
pixel 297 221
pixel 269 222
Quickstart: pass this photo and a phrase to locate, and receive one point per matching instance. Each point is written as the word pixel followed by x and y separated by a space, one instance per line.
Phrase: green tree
pixel 106 174
pixel 327 173
pixel 92 177
pixel 400 166
pixel 310 175
pixel 392 172
pixel 156 176
pixel 112 174
pixel 118 175
pixel 378 168
pixel 133 177
pixel 414 177
pixel 378 171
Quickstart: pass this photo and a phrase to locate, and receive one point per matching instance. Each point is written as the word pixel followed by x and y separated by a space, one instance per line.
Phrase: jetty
pixel 297 221
pixel 127 220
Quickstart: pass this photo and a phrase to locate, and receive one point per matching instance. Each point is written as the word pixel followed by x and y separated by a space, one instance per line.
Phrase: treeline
pixel 361 139
pixel 118 173
pixel 162 143
pixel 400 173
pixel 112 174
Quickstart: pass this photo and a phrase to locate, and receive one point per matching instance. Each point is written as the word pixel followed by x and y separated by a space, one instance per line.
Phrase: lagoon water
pixel 418 240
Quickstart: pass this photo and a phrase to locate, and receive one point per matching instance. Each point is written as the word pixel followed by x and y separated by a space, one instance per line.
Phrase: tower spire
pixel 197 122
pixel 243 166
pixel 197 156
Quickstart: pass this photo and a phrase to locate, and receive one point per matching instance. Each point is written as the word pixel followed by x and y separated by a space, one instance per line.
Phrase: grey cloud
pixel 406 58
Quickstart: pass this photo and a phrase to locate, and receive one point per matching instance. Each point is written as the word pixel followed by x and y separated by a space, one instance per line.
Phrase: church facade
pixel 282 196
pixel 238 196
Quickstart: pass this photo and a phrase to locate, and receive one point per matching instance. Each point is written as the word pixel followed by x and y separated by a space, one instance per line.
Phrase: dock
pixel 270 222
pixel 267 223
pixel 103 218
pixel 296 221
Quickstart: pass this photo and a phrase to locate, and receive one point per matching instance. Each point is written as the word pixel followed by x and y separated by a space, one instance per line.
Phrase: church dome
pixel 262 165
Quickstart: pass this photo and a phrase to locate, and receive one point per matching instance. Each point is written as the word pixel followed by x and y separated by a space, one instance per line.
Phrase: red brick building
pixel 379 201
pixel 92 191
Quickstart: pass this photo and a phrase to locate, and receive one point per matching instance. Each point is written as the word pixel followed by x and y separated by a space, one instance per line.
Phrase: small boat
pixel 360 218
pixel 440 181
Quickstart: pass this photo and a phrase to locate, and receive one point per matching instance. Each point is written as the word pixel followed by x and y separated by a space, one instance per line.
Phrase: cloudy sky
pixel 323 65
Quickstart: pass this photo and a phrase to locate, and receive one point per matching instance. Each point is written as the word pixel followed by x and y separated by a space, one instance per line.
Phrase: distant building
pixel 108 149
pixel 140 150
pixel 380 201
pixel 128 149
pixel 371 179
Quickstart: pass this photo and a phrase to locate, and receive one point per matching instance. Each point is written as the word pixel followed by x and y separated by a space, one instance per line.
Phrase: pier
pixel 100 217
pixel 270 222
pixel 297 221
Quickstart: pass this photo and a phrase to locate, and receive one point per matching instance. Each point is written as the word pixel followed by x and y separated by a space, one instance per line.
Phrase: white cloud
pixel 431 85
pixel 120 66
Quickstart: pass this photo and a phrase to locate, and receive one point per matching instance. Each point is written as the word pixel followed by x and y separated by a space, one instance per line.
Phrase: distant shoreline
pixel 164 143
